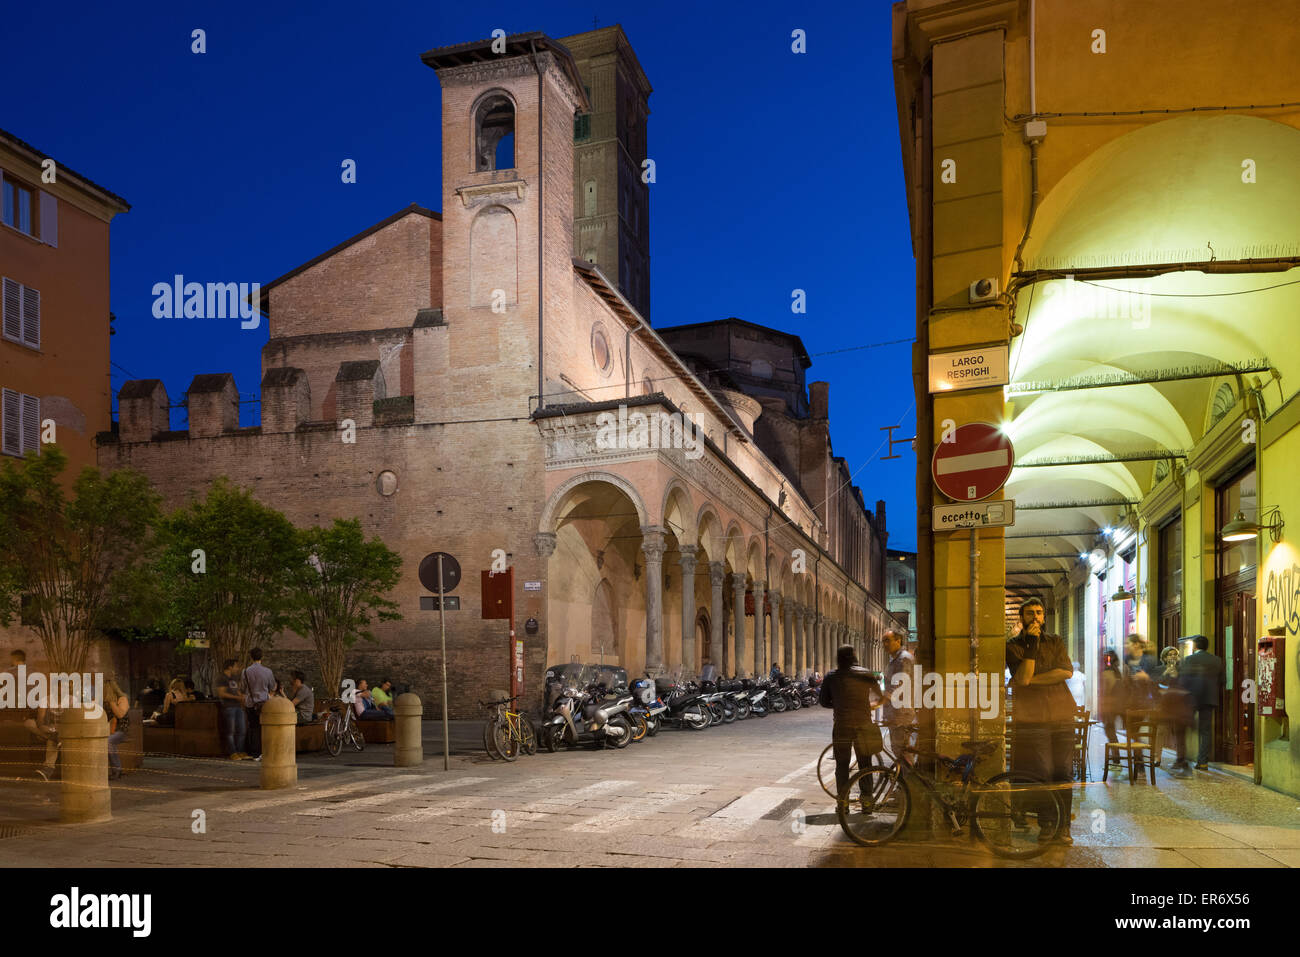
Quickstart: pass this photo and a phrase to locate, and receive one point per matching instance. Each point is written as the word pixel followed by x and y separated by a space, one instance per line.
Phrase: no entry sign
pixel 974 463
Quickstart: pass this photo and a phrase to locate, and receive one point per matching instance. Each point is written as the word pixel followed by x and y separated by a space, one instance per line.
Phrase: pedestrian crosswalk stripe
pixel 738 816
pixel 459 804
pixel 637 808
pixel 797 773
pixel 375 800
pixel 292 796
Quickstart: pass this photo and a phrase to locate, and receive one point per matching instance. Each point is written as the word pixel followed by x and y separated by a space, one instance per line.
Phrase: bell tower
pixel 508 105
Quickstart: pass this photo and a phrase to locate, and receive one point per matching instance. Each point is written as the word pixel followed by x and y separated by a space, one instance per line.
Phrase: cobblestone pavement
pixel 743 794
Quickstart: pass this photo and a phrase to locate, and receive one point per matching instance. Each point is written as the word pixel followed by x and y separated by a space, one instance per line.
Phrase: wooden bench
pixel 21 752
pixel 197 733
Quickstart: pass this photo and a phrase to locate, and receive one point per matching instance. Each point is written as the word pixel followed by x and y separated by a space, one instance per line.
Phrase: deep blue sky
pixel 775 171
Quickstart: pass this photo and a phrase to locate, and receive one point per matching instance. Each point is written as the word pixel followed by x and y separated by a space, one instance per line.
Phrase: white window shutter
pixel 31 317
pixel 13 310
pixel 31 423
pixel 12 427
pixel 49 219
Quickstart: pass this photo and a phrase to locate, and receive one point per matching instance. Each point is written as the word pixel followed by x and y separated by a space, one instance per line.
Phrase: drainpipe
pixel 924 409
pixel 541 210
pixel 1256 411
pixel 1033 63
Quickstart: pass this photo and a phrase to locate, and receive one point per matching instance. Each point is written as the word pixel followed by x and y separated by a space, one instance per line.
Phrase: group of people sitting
pixel 373 704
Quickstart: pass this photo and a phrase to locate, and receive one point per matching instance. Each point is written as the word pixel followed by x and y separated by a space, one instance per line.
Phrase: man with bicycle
pixel 853 693
pixel 1042 733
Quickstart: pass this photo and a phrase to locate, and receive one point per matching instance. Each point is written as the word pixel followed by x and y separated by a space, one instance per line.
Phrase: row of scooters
pixel 584 710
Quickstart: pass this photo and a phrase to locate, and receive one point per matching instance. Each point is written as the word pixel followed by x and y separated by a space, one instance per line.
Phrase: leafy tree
pixel 342 581
pixel 81 565
pixel 229 567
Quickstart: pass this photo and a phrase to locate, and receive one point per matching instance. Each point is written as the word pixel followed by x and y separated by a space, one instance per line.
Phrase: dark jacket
pixel 852 694
pixel 1202 676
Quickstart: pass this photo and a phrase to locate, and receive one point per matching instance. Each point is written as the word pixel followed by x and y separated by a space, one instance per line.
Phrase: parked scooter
pixel 646 707
pixel 587 717
pixel 684 708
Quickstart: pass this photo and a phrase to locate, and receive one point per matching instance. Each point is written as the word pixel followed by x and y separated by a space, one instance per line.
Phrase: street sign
pixel 430 603
pixel 973 462
pixel 968 369
pixel 429 573
pixel 983 515
pixel 532 586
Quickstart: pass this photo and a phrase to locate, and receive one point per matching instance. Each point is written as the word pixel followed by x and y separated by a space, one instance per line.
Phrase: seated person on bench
pixel 365 706
pixel 302 698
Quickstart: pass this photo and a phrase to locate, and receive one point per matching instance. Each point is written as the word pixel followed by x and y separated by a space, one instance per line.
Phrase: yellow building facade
pixel 1110 191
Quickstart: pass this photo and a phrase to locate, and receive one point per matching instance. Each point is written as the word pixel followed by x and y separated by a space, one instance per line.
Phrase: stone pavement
pixel 744 794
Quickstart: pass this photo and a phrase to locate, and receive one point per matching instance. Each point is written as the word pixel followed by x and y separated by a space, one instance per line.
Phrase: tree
pixel 229 567
pixel 73 568
pixel 342 582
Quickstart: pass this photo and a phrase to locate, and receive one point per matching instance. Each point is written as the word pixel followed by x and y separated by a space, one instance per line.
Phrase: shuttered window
pixel 20 424
pixel 22 313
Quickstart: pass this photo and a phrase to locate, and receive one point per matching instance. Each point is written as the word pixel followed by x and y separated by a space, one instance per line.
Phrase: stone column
pixel 408 752
pixel 774 639
pixel 799 614
pixel 687 562
pixel 652 544
pixel 760 626
pixel 83 757
pixel 738 624
pixel 279 767
pixel 788 633
pixel 819 662
pixel 715 618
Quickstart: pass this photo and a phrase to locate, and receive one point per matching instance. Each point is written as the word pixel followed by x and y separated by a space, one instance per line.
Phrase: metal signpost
pixel 440 573
pixel 969 465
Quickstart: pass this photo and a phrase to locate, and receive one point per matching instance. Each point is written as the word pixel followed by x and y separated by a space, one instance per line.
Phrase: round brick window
pixel 386 483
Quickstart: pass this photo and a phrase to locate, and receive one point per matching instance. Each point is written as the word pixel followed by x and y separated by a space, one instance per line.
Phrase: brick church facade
pixel 478 351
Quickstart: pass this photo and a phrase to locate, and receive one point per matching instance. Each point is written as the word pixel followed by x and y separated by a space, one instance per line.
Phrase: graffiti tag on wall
pixel 1282 599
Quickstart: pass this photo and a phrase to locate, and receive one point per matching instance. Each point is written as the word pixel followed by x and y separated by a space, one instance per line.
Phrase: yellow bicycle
pixel 507 732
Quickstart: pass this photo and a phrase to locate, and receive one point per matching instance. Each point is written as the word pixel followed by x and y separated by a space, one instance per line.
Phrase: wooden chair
pixel 1082 727
pixel 1138 748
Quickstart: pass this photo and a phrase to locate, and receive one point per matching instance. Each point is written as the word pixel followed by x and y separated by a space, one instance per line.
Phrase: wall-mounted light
pixel 1122 594
pixel 1240 530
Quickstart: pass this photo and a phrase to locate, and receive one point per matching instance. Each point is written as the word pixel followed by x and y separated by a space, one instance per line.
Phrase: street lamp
pixel 1240 530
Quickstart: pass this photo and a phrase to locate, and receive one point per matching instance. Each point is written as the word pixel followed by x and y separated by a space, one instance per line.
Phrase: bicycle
pixel 508 732
pixel 341 727
pixel 1015 813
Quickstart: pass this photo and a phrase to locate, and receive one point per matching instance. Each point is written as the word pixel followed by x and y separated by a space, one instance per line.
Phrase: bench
pixel 21 753
pixel 197 733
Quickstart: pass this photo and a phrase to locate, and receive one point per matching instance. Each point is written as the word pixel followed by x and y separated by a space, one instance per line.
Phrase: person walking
pixel 898 716
pixel 852 693
pixel 1176 704
pixel 259 683
pixel 1042 740
pixel 1112 696
pixel 1203 678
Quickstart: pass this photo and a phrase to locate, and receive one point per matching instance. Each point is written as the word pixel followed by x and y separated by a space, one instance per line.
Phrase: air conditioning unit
pixel 983 290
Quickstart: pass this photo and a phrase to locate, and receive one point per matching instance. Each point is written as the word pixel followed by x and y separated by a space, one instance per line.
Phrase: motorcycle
pixel 587 717
pixel 757 696
pixel 646 709
pixel 684 709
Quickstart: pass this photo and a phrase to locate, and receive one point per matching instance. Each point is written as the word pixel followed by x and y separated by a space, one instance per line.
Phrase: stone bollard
pixel 279 744
pixel 409 750
pixel 83 756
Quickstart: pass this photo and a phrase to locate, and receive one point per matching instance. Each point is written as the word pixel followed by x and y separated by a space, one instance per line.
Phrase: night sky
pixel 775 171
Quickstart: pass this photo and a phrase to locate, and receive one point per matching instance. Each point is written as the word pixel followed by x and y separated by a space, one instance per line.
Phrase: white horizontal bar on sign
pixel 998 458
